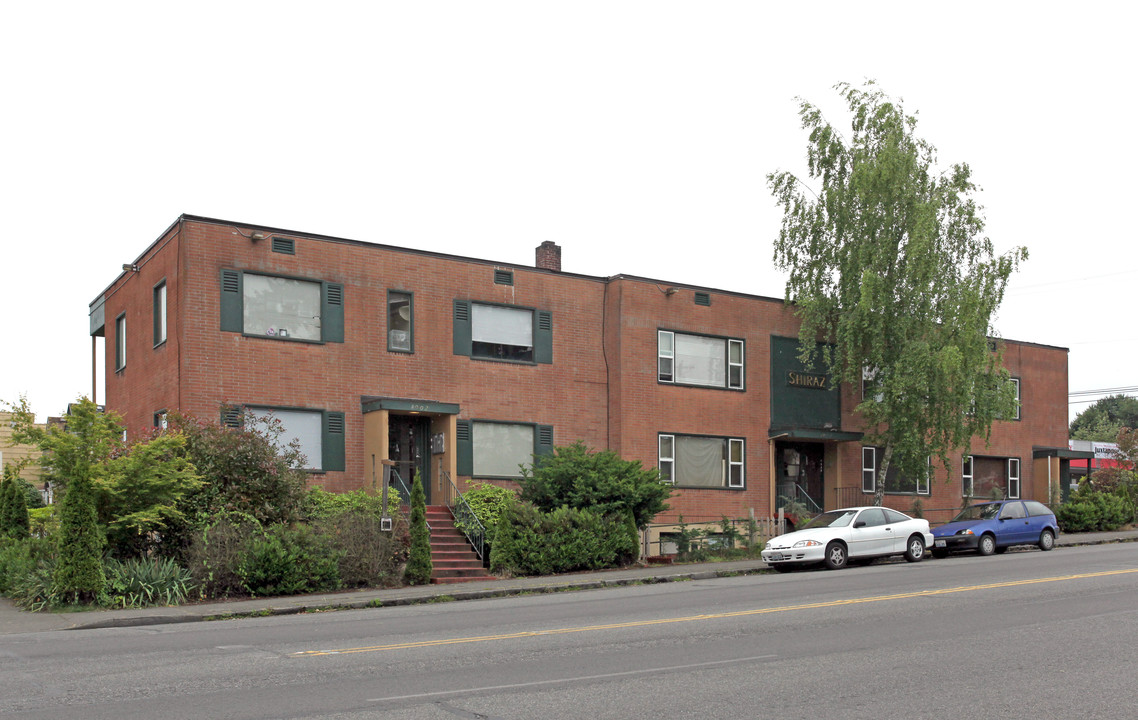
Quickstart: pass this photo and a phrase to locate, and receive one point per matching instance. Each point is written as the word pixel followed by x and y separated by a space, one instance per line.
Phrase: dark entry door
pixel 407 443
pixel 800 474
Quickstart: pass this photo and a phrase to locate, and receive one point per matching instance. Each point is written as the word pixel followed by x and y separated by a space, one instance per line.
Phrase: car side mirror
pixel 859 524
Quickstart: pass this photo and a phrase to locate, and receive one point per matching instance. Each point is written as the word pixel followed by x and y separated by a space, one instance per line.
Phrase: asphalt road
pixel 1026 634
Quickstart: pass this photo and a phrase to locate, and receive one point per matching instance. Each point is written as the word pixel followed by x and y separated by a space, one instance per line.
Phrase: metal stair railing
pixel 465 519
pixel 404 492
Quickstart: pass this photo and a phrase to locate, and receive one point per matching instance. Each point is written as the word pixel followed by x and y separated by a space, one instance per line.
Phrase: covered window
pixel 282 308
pixel 700 461
pixel 159 313
pixel 318 433
pixel 507 333
pixel 400 316
pixel 499 332
pixel 702 360
pixel 492 449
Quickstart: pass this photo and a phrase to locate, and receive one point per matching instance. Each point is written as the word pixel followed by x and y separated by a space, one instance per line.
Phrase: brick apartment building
pixel 463 368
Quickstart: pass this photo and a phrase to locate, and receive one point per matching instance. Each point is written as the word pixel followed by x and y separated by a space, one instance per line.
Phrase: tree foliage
pixel 14 521
pixel 244 470
pixel 1103 420
pixel 419 568
pixel 888 267
pixel 601 481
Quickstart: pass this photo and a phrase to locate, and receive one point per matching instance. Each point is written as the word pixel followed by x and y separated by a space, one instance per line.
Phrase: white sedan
pixel 839 536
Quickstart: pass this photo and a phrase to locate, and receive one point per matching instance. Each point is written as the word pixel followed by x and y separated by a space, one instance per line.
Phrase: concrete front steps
pixel 452 558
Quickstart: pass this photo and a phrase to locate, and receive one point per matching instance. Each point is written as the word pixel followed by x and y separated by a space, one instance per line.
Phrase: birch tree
pixel 889 266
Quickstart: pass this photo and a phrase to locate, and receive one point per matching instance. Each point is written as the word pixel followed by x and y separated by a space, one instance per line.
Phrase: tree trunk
pixel 879 486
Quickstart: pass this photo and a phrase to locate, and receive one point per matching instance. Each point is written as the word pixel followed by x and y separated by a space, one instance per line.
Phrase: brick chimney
pixel 549 256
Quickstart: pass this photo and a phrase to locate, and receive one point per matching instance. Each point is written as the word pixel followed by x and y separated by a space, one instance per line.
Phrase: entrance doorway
pixel 800 475
pixel 408 445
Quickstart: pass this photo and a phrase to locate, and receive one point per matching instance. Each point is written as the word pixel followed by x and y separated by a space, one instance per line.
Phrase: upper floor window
pixel 120 342
pixel 703 360
pixel 1015 383
pixel 503 332
pixel 700 461
pixel 159 313
pixel 400 316
pixel 281 307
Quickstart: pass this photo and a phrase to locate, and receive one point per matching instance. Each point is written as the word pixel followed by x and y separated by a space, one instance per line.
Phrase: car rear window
pixel 894 516
pixel 1012 510
pixel 1037 508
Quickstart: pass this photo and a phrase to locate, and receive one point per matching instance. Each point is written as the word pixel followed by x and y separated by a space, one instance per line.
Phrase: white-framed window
pixel 700 360
pixel 1015 382
pixel 120 342
pixel 869 385
pixel 281 307
pixel 702 461
pixel 500 449
pixel 667 459
pixel 868 469
pixel 1013 477
pixel 895 482
pixel 159 313
pixel 966 475
pixel 500 332
pixel 304 426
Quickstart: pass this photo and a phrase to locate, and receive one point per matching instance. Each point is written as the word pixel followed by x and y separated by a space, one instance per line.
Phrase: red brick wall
pixel 601 388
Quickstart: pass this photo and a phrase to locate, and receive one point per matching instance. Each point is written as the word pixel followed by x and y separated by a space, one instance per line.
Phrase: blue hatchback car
pixel 993 527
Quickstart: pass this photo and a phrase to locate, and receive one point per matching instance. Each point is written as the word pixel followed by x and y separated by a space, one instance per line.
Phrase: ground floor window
pixel 990 478
pixel 318 434
pixel 895 482
pixel 701 461
pixel 500 449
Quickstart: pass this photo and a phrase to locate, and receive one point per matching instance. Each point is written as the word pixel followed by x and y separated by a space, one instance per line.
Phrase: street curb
pixel 441 595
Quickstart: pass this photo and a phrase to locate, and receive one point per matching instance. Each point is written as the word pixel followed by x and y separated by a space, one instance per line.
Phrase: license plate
pixel 776 558
pixel 940 543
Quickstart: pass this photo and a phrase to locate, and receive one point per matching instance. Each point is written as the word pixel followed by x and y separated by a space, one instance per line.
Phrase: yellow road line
pixel 711 616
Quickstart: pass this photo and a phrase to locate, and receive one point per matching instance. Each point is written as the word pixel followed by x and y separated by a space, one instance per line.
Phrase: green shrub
pixel 600 481
pixel 142 582
pixel 288 561
pixel 79 569
pixel 418 570
pixel 44 521
pixel 215 555
pixel 319 504
pixel 13 508
pixel 487 501
pixel 367 556
pixel 1090 510
pixel 26 570
pixel 530 542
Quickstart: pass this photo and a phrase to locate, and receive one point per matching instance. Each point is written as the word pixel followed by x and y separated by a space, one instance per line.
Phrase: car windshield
pixel 834 518
pixel 978 512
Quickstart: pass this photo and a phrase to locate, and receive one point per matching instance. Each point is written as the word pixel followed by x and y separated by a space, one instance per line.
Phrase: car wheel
pixel 940 553
pixel 915 550
pixel 1046 540
pixel 987 545
pixel 836 556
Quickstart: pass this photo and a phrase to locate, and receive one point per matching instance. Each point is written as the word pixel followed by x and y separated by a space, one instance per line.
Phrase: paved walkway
pixel 13 620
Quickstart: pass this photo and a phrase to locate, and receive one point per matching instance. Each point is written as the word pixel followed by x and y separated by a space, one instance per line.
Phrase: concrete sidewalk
pixel 13 620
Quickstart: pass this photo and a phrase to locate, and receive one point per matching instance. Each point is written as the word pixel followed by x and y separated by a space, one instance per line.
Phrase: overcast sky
pixel 637 135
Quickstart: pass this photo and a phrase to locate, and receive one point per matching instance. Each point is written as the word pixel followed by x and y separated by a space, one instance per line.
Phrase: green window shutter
pixel 464 446
pixel 543 337
pixel 462 328
pixel 543 440
pixel 232 301
pixel 332 441
pixel 332 312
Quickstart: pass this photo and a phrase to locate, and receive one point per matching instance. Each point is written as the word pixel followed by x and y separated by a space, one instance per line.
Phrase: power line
pixel 1104 391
